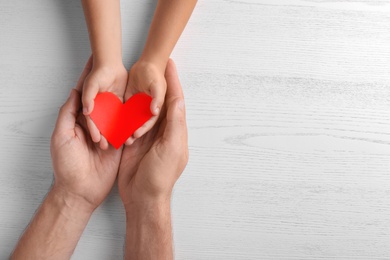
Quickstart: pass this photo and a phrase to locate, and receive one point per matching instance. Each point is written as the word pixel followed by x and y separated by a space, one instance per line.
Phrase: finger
pixel 68 112
pixel 93 130
pixel 145 128
pixel 91 89
pixel 84 74
pixel 130 140
pixel 103 143
pixel 174 89
pixel 158 94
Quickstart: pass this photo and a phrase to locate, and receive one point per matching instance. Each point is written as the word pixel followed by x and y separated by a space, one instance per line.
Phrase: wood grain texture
pixel 289 127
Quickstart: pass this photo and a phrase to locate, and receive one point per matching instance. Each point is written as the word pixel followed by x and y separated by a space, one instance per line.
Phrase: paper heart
pixel 117 121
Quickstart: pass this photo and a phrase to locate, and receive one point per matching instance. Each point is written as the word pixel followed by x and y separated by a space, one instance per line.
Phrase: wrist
pixel 72 206
pixel 153 61
pixel 149 230
pixel 107 61
pixel 109 68
pixel 149 207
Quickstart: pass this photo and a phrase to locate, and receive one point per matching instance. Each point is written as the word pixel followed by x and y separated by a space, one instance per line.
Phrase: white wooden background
pixel 289 125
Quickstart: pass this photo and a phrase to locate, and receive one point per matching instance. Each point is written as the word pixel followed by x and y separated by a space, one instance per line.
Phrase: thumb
pixel 157 92
pixel 176 127
pixel 68 113
pixel 174 89
pixel 90 91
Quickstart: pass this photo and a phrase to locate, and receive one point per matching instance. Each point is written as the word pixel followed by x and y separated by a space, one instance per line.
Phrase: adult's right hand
pixel 151 165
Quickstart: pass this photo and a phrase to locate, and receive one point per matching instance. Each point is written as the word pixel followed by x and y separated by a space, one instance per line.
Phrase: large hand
pixel 149 78
pixel 81 168
pixel 150 167
pixel 102 78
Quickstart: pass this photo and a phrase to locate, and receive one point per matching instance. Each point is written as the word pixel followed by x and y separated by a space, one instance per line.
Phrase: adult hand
pixel 151 165
pixel 148 171
pixel 81 168
pixel 147 77
pixel 83 176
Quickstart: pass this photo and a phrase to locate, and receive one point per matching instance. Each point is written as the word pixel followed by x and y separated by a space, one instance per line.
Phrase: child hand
pixel 148 78
pixel 102 78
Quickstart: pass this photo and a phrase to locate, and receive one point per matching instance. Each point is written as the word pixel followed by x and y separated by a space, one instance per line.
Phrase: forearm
pixel 169 21
pixel 104 27
pixel 149 231
pixel 55 229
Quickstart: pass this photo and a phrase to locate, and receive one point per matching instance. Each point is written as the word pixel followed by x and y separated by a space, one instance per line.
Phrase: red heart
pixel 117 121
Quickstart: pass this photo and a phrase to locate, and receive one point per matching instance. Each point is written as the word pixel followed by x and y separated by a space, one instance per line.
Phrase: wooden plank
pixel 288 111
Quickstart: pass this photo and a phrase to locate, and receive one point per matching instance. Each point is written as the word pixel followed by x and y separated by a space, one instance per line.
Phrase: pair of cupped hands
pixel 144 76
pixel 147 169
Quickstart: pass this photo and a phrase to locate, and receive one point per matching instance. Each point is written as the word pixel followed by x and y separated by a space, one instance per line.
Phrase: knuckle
pixel 183 160
pixel 62 108
pixel 185 157
pixel 85 98
pixel 56 140
pixel 176 154
pixel 180 104
pixel 180 151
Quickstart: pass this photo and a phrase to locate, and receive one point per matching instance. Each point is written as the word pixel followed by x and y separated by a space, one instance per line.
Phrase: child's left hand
pixel 149 78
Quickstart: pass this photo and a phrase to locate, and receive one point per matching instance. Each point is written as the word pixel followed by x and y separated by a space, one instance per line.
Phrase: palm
pixel 102 79
pixel 144 79
pixel 90 170
pixel 148 79
pixel 135 161
pixel 109 81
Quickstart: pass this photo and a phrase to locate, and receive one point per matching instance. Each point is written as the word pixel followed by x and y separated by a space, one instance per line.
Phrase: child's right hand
pixel 102 78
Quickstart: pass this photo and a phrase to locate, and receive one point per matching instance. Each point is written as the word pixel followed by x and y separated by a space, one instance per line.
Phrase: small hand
pixel 102 78
pixel 148 78
pixel 150 167
pixel 81 168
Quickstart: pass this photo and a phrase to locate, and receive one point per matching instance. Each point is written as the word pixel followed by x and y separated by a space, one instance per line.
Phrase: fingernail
pixel 85 110
pixel 129 142
pixel 157 110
